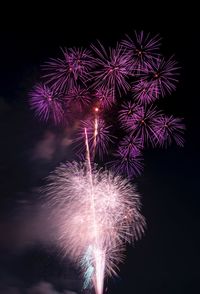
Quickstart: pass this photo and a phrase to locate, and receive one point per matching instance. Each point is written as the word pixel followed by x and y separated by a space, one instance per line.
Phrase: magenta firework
pixel 74 67
pixel 142 47
pixel 112 95
pixel 46 103
pixel 124 83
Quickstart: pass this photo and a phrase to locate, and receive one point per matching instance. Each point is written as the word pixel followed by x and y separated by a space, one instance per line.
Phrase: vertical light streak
pixel 95 130
pixel 97 252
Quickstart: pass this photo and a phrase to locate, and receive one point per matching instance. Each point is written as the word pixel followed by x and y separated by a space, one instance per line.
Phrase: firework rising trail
pixel 98 244
pixel 99 136
pixel 97 252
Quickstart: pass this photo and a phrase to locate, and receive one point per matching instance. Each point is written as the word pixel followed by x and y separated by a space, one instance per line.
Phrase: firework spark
pixel 143 125
pixel 127 162
pixel 128 112
pixel 105 98
pixel 93 233
pixel 144 92
pixel 46 103
pixel 63 74
pixel 113 69
pixel 99 137
pixel 143 48
pixel 162 75
pixel 78 98
pixel 170 129
pixel 130 145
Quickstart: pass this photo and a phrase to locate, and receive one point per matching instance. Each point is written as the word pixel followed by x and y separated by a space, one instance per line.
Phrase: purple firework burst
pixel 113 69
pixel 162 75
pixel 143 48
pixel 63 74
pixel 128 112
pixel 105 98
pixel 81 62
pixel 143 125
pixel 169 129
pixel 128 163
pixel 130 145
pixel 134 71
pixel 144 92
pixel 99 137
pixel 78 98
pixel 46 103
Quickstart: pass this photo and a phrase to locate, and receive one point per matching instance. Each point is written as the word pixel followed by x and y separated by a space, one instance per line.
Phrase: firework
pixel 94 212
pixel 143 125
pixel 161 74
pixel 78 98
pixel 63 74
pixel 46 103
pixel 130 145
pixel 112 69
pixel 143 48
pixel 128 113
pixel 81 62
pixel 105 98
pixel 127 162
pixel 128 78
pixel 93 233
pixel 99 137
pixel 170 129
pixel 144 92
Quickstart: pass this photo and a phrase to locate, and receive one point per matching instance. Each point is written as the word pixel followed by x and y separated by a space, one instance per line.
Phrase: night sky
pixel 166 260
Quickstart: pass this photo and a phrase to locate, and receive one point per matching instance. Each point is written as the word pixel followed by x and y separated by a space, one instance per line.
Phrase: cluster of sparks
pixel 96 211
pixel 94 214
pixel 133 76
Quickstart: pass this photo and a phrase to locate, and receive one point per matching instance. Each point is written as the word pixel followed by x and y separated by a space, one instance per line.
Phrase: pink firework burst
pixel 169 129
pixel 78 98
pixel 46 103
pixel 162 75
pixel 127 162
pixel 143 48
pixel 63 74
pixel 99 137
pixel 113 69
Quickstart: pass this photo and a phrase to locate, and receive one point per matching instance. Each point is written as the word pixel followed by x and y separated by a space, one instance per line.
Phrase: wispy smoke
pixel 45 148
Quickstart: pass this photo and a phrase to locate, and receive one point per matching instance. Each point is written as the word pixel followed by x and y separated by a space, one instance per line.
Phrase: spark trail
pixel 97 251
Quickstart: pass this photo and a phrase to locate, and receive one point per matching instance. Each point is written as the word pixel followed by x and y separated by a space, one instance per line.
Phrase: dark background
pixel 166 260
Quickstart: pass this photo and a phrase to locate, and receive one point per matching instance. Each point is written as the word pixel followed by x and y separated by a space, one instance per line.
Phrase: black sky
pixel 167 259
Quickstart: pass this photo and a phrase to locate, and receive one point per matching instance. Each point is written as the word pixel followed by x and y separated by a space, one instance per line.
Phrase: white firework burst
pixel 94 214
